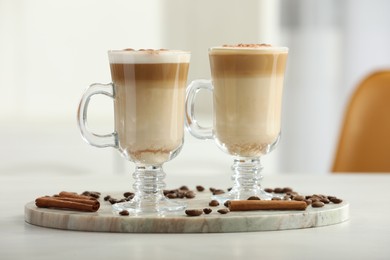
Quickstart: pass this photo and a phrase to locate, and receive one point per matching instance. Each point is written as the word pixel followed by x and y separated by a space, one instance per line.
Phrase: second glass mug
pixel 148 90
pixel 247 86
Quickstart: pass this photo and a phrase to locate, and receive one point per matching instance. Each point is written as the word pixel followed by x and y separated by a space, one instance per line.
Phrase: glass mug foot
pixel 149 205
pixel 246 177
pixel 149 196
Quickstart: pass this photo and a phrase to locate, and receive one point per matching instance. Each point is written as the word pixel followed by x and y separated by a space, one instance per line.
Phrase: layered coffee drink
pixel 149 90
pixel 248 86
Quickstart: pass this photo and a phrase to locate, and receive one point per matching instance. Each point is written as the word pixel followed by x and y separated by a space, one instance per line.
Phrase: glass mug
pixel 247 86
pixel 148 90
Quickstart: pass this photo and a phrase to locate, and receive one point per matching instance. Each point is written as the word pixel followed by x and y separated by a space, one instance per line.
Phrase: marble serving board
pixel 104 220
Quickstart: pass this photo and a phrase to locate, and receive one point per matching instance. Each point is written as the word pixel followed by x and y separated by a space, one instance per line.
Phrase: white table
pixel 365 236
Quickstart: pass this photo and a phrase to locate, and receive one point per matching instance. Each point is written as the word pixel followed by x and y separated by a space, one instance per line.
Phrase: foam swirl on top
pixel 144 56
pixel 248 47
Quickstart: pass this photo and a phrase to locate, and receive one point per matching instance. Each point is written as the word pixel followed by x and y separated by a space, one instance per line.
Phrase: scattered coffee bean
pixel 278 190
pixel 218 191
pixel 213 203
pixel 292 193
pixel 171 196
pixel 180 193
pixel 229 189
pixel 336 200
pixel 269 190
pixel 223 211
pixel 317 204
pixel 112 200
pixel 199 188
pixel 325 200
pixel 184 187
pixel 299 198
pixel 287 189
pixel 128 194
pixel 308 201
pixel 93 194
pixel 106 198
pixel 212 189
pixel 253 198
pixel 207 210
pixel 190 194
pixel 226 203
pixel 124 213
pixel 194 212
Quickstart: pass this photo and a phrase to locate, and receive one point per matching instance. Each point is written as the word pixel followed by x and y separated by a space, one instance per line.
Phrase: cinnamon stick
pixel 244 205
pixel 67 203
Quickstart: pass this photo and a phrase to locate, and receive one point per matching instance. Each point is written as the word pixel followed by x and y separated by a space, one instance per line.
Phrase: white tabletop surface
pixel 365 236
pixel 47 160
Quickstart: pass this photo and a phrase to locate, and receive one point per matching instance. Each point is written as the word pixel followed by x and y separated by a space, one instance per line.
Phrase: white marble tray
pixel 105 221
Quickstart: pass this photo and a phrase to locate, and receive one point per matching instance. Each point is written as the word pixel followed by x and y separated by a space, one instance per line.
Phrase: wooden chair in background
pixel 364 142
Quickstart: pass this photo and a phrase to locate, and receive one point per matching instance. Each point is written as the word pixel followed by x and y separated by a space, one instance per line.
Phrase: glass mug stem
pixel 149 197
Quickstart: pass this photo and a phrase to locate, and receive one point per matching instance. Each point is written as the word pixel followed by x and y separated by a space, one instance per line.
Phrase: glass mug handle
pixel 92 138
pixel 192 125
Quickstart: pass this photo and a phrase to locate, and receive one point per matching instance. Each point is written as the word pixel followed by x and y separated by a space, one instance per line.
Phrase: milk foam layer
pixel 148 56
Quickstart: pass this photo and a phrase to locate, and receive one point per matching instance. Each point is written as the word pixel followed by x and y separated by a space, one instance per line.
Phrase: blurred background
pixel 50 51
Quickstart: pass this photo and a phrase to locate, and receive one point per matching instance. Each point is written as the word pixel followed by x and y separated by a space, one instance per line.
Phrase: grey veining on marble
pixel 105 221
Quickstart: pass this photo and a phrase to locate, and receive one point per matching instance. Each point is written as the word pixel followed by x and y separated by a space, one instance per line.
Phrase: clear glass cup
pixel 247 86
pixel 148 90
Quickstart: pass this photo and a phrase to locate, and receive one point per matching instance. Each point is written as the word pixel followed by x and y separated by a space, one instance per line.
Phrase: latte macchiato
pixel 149 87
pixel 248 86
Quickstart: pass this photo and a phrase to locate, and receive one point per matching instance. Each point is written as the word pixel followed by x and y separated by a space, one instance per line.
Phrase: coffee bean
pixel 93 194
pixel 184 187
pixel 180 194
pixel 207 210
pixel 278 190
pixel 190 194
pixel 223 211
pixel 317 204
pixel 287 189
pixel 269 190
pixel 107 197
pixel 218 191
pixel 171 196
pixel 336 200
pixel 124 213
pixel 308 201
pixel 253 198
pixel 214 203
pixel 226 203
pixel 199 188
pixel 112 200
pixel 128 194
pixel 194 212
pixel 299 198
pixel 325 200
